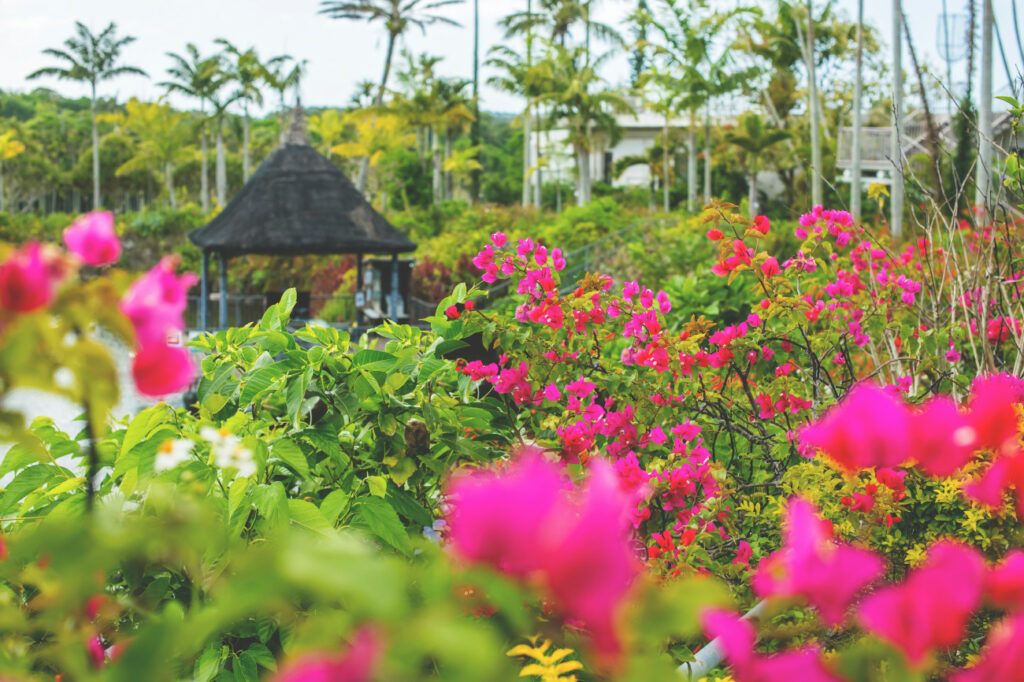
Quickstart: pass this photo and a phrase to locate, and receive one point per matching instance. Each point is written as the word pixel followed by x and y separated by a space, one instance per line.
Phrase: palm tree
pixel 397 16
pixel 754 139
pixel 220 109
pixel 247 73
pixel 566 88
pixel 513 77
pixel 162 135
pixel 197 77
pixel 280 79
pixel 90 58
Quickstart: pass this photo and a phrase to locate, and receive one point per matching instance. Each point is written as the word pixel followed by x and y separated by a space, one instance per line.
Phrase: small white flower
pixel 172 453
pixel 228 451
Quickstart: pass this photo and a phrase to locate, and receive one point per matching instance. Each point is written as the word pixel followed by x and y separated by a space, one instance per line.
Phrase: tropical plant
pixel 163 137
pixel 567 88
pixel 754 139
pixel 200 78
pixel 9 148
pixel 327 128
pixel 90 58
pixel 397 16
pixel 376 135
pixel 247 73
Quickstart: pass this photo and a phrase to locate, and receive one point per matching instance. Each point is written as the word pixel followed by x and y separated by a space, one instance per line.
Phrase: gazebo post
pixel 223 266
pixel 359 283
pixel 394 287
pixel 204 292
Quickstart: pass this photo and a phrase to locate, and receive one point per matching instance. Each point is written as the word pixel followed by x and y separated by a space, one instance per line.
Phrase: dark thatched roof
pixel 298 202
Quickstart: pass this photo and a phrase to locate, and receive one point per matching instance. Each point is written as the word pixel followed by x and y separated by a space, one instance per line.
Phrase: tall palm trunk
pixel 855 189
pixel 364 166
pixel 691 164
pixel 449 185
pixel 95 152
pixel 222 171
pixel 436 150
pixel 245 144
pixel 169 183
pixel 527 125
pixel 204 178
pixel 752 192
pixel 583 174
pixel 664 165
pixel 813 102
pixel 538 177
pixel 707 153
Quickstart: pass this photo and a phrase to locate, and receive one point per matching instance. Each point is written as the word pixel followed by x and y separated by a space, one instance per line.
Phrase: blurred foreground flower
pixel 527 521
pixel 356 664
pixel 92 238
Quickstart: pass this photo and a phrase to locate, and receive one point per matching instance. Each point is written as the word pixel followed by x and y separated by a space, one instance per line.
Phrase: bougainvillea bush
pixel 589 486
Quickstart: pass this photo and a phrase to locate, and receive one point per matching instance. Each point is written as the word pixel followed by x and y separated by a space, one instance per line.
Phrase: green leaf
pixel 306 514
pixel 143 424
pixel 291 454
pixel 261 654
pixel 29 480
pixel 408 507
pixel 380 518
pixel 259 381
pixel 378 485
pixel 333 505
pixel 208 663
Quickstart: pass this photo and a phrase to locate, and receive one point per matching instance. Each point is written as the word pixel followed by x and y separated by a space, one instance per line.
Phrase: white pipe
pixel 984 170
pixel 711 655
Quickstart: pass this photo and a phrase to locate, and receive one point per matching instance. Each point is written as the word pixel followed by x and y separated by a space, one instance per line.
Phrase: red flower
pixel 161 370
pixel 452 313
pixel 715 235
pixel 761 224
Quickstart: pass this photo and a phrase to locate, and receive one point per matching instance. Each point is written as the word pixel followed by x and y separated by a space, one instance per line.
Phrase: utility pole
pixel 895 146
pixel 474 189
pixel 984 170
pixel 855 188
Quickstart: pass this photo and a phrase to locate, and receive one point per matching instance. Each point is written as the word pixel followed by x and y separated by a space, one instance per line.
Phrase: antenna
pixel 951 44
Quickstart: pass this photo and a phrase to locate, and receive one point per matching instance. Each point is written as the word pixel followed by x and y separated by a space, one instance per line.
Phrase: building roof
pixel 298 202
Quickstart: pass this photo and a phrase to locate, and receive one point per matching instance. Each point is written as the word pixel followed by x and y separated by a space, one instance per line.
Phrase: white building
pixel 639 133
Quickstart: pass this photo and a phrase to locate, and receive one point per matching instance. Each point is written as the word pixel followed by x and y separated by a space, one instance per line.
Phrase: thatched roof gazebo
pixel 297 202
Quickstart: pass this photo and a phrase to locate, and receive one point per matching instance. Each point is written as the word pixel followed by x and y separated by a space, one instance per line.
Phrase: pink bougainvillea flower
pixel 161 370
pixel 92 238
pixel 155 303
pixel 991 411
pixel 495 517
pixel 526 520
pixel 1003 656
pixel 1004 583
pixel 869 427
pixel 589 565
pixel 930 609
pixel 943 440
pixel 737 638
pixel 27 281
pixel 761 225
pixel 356 664
pixel 812 566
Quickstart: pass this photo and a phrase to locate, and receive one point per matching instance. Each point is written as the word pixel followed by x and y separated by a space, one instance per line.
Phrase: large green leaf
pixel 380 518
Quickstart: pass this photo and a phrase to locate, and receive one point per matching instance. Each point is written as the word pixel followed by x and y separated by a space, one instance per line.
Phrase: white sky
pixel 342 53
